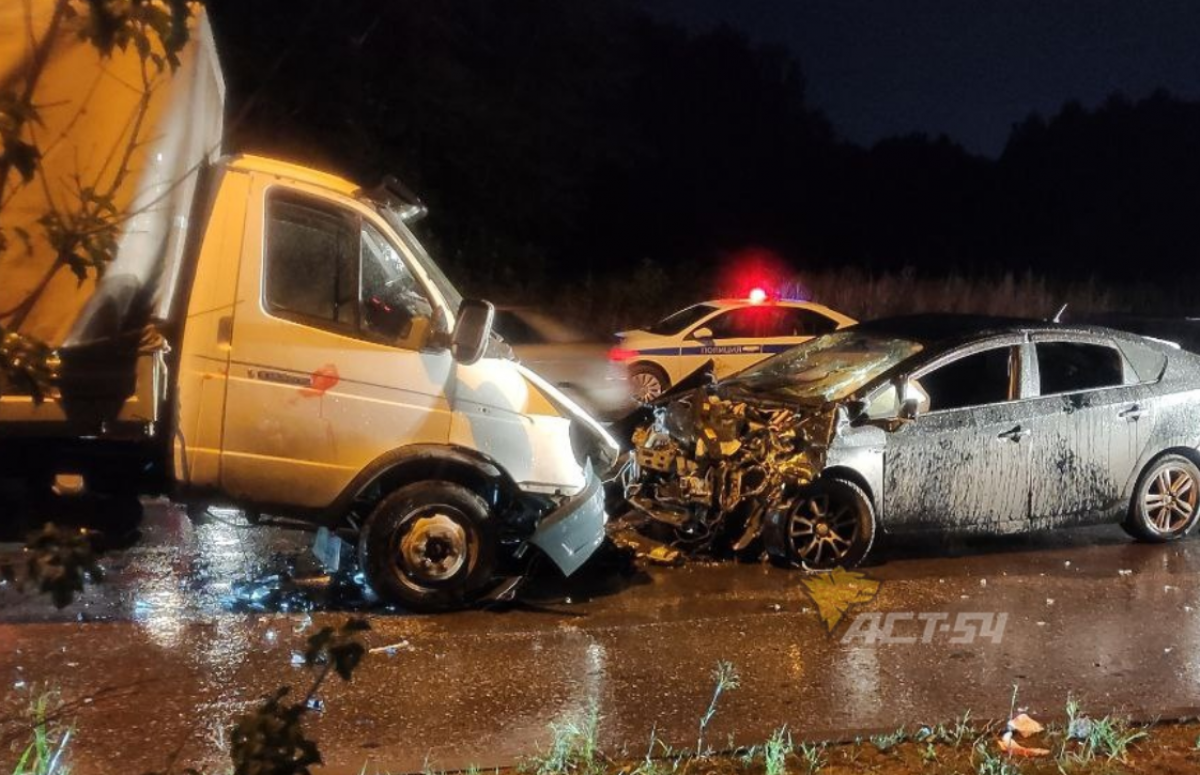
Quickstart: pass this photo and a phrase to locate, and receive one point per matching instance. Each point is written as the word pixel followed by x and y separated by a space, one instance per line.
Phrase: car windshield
pixel 828 368
pixel 677 321
pixel 436 276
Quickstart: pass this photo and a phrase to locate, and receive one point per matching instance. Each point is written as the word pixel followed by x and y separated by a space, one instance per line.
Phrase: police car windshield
pixel 677 321
pixel 828 368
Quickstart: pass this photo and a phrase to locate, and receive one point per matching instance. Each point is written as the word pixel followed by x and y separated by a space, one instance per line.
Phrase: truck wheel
pixel 647 382
pixel 429 546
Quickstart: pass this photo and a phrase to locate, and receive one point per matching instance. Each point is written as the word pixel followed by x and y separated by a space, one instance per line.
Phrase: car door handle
pixel 1131 413
pixel 1014 434
pixel 751 348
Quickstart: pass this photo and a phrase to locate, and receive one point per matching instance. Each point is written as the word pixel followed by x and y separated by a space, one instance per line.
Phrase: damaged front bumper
pixel 573 532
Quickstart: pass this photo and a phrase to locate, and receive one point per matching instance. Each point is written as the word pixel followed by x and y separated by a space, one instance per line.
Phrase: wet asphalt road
pixel 168 663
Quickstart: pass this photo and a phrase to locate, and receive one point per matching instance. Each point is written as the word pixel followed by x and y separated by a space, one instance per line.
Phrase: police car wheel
pixel 647 382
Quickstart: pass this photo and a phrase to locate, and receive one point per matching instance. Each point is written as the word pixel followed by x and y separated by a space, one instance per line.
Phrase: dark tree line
pixel 559 141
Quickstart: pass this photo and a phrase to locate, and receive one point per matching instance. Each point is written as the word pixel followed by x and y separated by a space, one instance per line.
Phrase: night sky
pixel 966 68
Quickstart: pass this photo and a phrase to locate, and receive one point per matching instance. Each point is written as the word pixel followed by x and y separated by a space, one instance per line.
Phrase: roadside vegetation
pixel 962 746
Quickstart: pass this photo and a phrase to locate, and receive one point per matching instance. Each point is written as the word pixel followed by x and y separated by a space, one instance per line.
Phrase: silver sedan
pixel 928 423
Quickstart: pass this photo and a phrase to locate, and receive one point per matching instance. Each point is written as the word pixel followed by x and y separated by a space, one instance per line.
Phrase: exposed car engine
pixel 709 470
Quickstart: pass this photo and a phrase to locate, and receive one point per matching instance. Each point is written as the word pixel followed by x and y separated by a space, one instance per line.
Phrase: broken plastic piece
pixel 1011 747
pixel 1024 725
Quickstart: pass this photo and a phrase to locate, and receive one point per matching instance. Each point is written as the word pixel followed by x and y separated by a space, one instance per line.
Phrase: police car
pixel 732 333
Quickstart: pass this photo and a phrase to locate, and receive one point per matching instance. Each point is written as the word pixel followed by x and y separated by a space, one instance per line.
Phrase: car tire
pixel 647 382
pixel 429 546
pixel 830 524
pixel 1165 501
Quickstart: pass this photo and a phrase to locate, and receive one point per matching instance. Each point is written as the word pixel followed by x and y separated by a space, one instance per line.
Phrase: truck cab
pixel 327 370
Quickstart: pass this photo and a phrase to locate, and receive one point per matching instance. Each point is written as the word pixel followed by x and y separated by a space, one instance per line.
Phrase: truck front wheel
pixel 430 546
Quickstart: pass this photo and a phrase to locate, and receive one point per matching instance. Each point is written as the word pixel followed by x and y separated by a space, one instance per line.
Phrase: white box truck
pixel 275 337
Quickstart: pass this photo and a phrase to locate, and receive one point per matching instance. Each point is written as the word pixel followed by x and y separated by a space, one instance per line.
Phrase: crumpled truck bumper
pixel 573 532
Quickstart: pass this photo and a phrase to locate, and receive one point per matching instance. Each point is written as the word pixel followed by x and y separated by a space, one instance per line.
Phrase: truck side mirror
pixel 472 330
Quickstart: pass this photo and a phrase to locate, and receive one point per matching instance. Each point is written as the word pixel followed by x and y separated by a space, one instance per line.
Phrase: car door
pixel 739 337
pixel 962 463
pixel 1085 442
pixel 327 369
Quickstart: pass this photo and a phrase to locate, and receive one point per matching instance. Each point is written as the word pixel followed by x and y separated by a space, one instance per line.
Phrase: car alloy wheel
pixel 646 386
pixel 822 530
pixel 828 524
pixel 1170 499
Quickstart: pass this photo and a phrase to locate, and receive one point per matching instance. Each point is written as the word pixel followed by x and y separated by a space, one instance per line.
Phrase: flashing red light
pixel 620 355
pixel 757 295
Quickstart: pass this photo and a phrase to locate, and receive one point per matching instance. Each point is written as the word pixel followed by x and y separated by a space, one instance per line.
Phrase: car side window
pixel 796 321
pixel 312 256
pixel 769 321
pixel 734 324
pixel 1071 367
pixel 977 379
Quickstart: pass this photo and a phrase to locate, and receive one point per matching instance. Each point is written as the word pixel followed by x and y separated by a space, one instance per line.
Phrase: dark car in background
pixel 935 423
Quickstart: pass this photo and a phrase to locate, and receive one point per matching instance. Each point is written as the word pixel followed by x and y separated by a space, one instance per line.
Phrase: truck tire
pixel 429 546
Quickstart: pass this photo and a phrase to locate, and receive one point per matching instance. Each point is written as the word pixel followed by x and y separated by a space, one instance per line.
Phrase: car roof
pixel 943 328
pixel 724 304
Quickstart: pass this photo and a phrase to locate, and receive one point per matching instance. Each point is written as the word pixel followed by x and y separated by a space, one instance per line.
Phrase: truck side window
pixel 311 263
pixel 392 298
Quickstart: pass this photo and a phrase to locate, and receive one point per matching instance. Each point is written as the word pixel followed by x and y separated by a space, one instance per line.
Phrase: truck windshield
pixel 828 368
pixel 436 275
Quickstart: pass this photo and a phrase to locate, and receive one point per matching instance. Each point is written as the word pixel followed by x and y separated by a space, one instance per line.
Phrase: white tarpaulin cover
pixel 88 108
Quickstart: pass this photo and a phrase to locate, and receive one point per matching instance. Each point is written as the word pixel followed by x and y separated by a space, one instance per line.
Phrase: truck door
pixel 328 361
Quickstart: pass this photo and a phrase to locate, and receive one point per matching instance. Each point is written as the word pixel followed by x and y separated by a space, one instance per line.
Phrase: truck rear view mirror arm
pixel 472 330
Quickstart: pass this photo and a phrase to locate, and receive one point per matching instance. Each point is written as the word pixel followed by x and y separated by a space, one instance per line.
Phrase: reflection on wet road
pixel 1089 613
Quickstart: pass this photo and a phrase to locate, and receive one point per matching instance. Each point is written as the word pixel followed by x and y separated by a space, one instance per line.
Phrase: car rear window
pixel 1070 367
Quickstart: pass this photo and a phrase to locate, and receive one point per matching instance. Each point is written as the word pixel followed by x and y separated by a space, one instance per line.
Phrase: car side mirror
pixel 472 330
pixel 909 408
pixel 702 333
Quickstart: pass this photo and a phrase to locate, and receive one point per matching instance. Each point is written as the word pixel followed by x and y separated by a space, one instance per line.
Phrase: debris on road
pixel 287 589
pixel 1079 728
pixel 1011 747
pixel 392 648
pixel 1024 725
